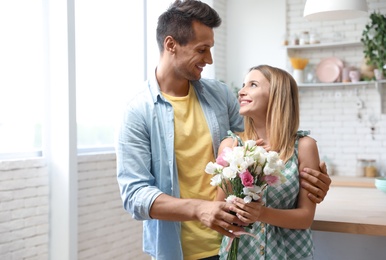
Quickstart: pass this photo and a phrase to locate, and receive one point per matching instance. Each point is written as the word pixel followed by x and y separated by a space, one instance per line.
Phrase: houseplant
pixel 374 41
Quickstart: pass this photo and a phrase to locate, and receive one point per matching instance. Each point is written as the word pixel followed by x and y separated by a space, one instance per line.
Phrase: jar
pixel 370 169
pixel 314 38
pixel 304 38
pixel 294 39
pixel 360 170
pixel 285 40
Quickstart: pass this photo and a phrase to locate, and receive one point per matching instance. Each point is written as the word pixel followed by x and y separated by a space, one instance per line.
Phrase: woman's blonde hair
pixel 282 113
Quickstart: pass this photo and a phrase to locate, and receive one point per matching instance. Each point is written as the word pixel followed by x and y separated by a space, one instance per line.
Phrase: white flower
pixel 230 198
pixel 213 168
pixel 249 161
pixel 268 170
pixel 274 164
pixel 258 169
pixel 233 154
pixel 229 173
pixel 250 143
pixel 216 180
pixel 238 163
pixel 272 157
pixel 280 165
pixel 260 155
pixel 237 154
pixel 251 193
pixel 260 149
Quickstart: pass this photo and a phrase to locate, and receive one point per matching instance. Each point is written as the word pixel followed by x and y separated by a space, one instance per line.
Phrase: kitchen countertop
pixel 352 205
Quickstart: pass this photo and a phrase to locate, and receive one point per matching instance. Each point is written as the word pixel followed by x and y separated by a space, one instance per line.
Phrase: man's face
pixel 191 59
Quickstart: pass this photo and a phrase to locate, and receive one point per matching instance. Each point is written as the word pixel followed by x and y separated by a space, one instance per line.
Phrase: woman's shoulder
pixel 306 141
pixel 227 141
pixel 231 140
pixel 308 153
pixel 307 147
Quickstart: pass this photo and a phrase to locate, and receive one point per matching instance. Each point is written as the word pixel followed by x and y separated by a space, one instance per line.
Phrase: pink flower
pixel 221 157
pixel 272 180
pixel 246 178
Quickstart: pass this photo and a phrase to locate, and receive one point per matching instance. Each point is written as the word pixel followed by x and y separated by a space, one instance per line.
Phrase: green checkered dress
pixel 274 242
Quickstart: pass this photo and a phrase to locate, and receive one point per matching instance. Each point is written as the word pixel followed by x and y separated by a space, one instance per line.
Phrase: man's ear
pixel 170 44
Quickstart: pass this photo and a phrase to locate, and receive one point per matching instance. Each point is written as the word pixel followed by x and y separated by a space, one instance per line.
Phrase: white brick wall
pixel 105 230
pixel 24 207
pixel 331 113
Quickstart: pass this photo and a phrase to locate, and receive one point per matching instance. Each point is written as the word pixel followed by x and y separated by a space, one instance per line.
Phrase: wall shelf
pixel 337 84
pixel 324 45
pixel 378 85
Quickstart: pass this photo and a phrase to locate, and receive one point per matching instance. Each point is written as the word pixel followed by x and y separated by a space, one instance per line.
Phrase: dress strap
pixel 302 133
pixel 235 137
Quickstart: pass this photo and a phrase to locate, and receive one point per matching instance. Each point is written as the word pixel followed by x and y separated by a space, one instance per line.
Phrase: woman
pixel 283 216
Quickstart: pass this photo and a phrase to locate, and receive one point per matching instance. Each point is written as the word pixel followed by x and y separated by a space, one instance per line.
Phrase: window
pixel 115 50
pixel 21 77
pixel 109 65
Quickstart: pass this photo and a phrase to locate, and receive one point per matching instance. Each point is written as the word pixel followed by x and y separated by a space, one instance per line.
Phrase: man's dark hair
pixel 177 20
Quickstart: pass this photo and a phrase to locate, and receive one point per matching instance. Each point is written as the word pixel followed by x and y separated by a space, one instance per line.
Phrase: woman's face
pixel 254 95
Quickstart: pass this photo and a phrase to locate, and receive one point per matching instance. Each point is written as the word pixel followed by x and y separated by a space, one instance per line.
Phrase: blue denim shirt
pixel 146 163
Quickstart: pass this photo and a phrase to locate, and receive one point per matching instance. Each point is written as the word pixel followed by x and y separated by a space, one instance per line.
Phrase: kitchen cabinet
pixel 351 221
pixel 354 210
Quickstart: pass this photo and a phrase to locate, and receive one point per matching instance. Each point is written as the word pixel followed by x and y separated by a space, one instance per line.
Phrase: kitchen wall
pixel 254 32
pixel 342 130
pixel 105 230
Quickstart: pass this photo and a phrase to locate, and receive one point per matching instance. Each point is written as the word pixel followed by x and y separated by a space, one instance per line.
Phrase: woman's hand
pixel 316 182
pixel 247 212
pixel 260 142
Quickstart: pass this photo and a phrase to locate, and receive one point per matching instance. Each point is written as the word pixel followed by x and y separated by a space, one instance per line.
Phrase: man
pixel 170 131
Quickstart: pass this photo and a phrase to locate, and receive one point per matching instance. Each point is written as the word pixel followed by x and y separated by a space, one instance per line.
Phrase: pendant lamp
pixel 324 10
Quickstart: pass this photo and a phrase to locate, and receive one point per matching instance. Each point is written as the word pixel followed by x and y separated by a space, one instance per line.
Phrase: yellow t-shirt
pixel 190 125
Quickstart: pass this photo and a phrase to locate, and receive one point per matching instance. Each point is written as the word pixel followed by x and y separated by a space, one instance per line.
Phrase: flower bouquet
pixel 244 172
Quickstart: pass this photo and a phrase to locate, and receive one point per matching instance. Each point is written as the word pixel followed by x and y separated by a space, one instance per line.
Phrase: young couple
pixel 174 127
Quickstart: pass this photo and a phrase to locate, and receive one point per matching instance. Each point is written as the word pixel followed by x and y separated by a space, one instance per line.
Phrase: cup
pixel 378 74
pixel 354 75
pixel 345 74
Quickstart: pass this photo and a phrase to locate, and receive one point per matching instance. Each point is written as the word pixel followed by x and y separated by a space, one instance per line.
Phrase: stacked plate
pixel 329 70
